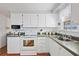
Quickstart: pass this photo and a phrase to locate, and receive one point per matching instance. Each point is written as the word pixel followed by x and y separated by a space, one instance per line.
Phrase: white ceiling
pixel 7 8
pixel 24 7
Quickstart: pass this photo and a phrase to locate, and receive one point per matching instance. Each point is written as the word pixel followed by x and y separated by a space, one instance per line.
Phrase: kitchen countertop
pixel 71 46
pixel 13 36
pixel 16 35
pixel 42 35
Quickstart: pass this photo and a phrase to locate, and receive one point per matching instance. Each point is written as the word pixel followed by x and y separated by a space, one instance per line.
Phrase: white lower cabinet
pixel 56 50
pixel 13 45
pixel 42 45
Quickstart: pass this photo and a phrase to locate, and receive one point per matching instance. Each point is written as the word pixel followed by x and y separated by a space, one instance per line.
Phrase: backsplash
pixel 74 34
pixel 35 29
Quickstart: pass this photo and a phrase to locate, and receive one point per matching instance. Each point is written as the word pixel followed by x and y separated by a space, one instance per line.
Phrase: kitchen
pixel 39 29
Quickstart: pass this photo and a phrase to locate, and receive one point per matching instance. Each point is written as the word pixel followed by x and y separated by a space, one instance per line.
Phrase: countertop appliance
pixel 22 33
pixel 15 26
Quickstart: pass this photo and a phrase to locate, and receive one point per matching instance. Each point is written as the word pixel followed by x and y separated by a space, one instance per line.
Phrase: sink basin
pixel 65 39
pixel 75 41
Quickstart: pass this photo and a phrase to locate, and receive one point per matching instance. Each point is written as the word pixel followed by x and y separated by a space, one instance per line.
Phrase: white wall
pixel 66 12
pixel 3 20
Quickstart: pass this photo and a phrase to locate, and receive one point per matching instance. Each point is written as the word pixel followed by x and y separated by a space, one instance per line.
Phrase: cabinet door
pixel 49 20
pixel 57 50
pixel 34 20
pixel 64 52
pixel 16 19
pixel 13 45
pixel 26 20
pixel 30 20
pixel 75 12
pixel 42 20
pixel 53 48
pixel 42 45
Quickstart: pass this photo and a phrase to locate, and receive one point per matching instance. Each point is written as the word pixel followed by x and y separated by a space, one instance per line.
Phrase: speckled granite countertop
pixel 71 46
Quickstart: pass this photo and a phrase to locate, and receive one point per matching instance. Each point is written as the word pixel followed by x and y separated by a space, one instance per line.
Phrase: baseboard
pixel 43 54
pixel 28 53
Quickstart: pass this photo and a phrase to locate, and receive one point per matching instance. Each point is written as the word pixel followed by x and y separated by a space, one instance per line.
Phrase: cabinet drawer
pixel 41 42
pixel 13 45
pixel 41 37
pixel 42 49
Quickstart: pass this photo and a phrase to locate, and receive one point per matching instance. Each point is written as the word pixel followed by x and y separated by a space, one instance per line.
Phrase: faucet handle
pixel 69 36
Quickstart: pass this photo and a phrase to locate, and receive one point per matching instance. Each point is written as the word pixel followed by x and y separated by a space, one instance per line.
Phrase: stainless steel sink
pixel 75 41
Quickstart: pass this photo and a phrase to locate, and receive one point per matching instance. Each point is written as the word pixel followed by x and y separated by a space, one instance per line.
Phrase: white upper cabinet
pixel 34 20
pixel 50 20
pixel 26 20
pixel 65 15
pixel 75 12
pixel 16 18
pixel 42 20
pixel 30 20
pixel 65 12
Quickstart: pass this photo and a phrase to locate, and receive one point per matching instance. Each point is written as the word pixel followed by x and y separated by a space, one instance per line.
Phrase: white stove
pixel 28 45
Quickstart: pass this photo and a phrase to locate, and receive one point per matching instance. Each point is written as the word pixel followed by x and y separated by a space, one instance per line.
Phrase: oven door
pixel 29 44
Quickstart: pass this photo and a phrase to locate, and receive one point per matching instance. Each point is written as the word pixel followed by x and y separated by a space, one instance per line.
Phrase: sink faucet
pixel 66 37
pixel 69 36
